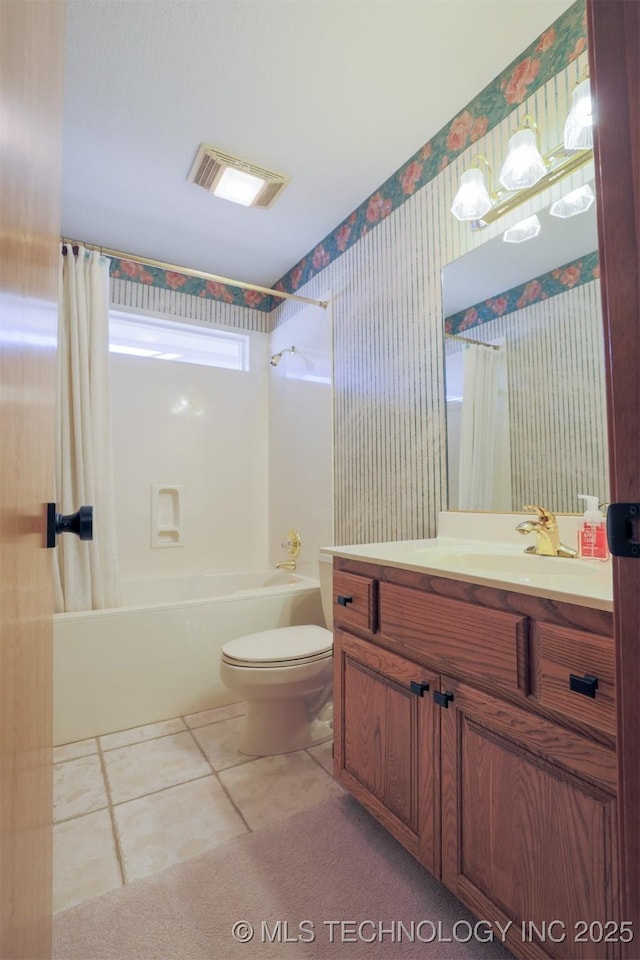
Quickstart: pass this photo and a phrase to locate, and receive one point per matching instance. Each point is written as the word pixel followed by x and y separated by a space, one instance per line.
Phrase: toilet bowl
pixel 285 676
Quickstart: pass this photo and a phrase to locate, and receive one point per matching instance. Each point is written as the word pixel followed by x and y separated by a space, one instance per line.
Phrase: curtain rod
pixel 476 343
pixel 121 255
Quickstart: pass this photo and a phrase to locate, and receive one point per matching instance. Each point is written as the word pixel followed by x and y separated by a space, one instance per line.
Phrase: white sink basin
pixel 518 564
pixel 485 549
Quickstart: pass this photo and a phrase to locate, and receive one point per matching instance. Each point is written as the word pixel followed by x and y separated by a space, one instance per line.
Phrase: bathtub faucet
pixel 286 565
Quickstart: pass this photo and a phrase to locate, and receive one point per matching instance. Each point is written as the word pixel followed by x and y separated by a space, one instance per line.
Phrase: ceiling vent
pixel 234 179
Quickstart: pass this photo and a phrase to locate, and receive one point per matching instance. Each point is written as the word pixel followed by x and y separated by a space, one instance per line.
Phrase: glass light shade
pixel 578 129
pixel 523 165
pixel 525 230
pixel 472 200
pixel 238 186
pixel 573 203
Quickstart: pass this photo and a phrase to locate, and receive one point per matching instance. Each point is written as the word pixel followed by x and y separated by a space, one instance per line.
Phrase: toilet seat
pixel 282 647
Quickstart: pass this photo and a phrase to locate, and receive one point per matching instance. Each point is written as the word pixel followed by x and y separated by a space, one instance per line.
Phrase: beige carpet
pixel 332 872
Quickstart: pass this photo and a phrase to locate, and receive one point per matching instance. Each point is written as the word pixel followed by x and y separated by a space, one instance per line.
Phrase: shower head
pixel 277 357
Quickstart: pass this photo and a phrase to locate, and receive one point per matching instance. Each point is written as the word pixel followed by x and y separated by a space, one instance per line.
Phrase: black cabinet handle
pixel 80 523
pixel 443 699
pixel 418 688
pixel 343 601
pixel 586 685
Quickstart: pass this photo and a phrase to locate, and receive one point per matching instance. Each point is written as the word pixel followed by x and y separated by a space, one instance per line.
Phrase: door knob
pixel 80 523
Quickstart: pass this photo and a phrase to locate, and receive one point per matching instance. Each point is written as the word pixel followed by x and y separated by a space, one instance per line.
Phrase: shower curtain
pixel 85 573
pixel 485 447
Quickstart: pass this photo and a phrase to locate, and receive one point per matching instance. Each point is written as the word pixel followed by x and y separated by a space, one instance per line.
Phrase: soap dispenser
pixel 592 536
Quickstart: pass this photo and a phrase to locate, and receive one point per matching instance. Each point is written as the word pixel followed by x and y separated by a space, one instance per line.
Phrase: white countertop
pixel 486 549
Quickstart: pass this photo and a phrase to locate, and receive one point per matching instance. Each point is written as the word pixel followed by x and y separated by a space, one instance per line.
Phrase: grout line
pixel 153 793
pixel 215 773
pixel 83 756
pixel 135 743
pixel 211 723
pixel 225 706
pixel 78 816
pixel 158 736
pixel 315 760
pixel 114 826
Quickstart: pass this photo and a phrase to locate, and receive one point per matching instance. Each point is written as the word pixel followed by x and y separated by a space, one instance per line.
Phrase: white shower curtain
pixel 86 573
pixel 485 448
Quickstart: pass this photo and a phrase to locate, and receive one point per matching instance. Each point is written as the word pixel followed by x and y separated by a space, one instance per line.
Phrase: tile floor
pixel 134 802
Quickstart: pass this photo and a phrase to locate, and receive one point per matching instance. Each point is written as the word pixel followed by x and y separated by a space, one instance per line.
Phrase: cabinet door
pixel 529 826
pixel 385 735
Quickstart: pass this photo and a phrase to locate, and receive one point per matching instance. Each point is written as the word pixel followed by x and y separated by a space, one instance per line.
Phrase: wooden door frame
pixel 614 65
pixel 32 74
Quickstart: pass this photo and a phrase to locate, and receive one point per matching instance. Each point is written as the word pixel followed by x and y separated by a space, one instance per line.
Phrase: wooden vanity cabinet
pixel 528 825
pixel 386 742
pixel 455 726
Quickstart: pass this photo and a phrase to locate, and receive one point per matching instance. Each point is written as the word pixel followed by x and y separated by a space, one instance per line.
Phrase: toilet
pixel 285 675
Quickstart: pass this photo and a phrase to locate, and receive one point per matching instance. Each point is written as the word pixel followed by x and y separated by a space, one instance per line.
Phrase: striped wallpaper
pixel 389 408
pixel 160 300
pixel 555 359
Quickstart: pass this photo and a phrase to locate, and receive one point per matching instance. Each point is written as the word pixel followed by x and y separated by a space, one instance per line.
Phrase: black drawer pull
pixel 418 688
pixel 586 685
pixel 443 699
pixel 343 601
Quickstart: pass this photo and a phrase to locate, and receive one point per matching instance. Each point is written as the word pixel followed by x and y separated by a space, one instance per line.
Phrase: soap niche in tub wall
pixel 166 515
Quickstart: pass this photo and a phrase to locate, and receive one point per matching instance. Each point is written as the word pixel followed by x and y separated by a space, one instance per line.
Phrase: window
pixel 147 336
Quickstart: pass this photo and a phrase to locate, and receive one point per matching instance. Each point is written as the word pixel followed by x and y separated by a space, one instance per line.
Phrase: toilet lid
pixel 285 644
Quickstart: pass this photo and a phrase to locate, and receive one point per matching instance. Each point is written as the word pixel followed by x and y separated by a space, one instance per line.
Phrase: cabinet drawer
pixel 466 640
pixel 561 654
pixel 355 600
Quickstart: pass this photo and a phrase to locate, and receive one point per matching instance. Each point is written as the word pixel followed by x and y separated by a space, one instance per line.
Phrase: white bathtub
pixel 158 655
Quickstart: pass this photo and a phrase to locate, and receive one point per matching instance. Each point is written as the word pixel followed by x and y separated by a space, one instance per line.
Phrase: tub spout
pixel 286 565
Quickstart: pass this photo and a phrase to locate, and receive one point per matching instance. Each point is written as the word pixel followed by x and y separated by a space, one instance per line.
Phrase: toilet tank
pixel 325 566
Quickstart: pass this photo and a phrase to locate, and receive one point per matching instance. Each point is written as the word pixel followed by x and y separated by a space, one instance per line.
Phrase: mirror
pixel 527 423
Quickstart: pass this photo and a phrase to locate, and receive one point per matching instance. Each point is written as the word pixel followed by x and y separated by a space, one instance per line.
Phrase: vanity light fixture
pixel 473 199
pixel 578 129
pixel 524 164
pixel 525 230
pixel 524 174
pixel 573 203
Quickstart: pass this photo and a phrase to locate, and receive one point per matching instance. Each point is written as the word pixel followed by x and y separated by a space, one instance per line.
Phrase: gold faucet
pixel 292 545
pixel 546 531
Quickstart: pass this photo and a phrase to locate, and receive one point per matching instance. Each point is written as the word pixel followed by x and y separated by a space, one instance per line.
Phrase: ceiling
pixel 336 94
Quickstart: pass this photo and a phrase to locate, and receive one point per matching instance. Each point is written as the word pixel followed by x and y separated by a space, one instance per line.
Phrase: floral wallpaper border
pixel 563 278
pixel 196 286
pixel 558 46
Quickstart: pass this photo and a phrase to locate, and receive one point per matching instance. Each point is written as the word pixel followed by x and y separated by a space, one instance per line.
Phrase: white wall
pixel 202 427
pixel 300 436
